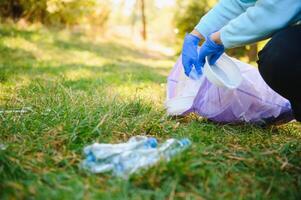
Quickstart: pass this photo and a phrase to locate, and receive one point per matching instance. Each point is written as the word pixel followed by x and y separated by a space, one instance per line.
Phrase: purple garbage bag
pixel 253 101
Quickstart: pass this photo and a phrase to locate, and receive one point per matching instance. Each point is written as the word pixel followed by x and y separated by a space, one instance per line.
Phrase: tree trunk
pixel 252 53
pixel 144 36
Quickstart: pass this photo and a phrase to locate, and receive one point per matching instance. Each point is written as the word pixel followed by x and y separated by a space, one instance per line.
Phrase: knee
pixel 281 51
pixel 271 55
pixel 268 59
pixel 279 62
pixel 275 56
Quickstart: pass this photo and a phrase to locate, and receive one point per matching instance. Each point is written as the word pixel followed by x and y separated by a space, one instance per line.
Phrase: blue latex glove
pixel 190 54
pixel 211 50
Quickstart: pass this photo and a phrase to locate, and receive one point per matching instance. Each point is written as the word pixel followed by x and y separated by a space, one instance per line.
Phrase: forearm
pixel 259 22
pixel 216 37
pixel 220 15
pixel 198 34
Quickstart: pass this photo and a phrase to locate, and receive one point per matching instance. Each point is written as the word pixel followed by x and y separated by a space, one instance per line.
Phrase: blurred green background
pixel 164 22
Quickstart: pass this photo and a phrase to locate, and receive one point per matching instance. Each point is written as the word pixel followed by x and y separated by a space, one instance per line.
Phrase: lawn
pixel 80 89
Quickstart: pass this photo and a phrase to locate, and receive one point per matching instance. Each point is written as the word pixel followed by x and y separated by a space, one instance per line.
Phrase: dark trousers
pixel 280 65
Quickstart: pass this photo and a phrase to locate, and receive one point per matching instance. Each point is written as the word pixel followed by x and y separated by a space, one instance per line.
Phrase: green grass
pixel 86 89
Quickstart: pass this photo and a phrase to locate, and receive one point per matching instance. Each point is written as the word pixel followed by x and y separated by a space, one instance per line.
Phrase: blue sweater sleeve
pixel 260 21
pixel 221 14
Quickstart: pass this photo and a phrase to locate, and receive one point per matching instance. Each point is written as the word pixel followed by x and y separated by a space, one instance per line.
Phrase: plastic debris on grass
pixel 127 158
pixel 21 111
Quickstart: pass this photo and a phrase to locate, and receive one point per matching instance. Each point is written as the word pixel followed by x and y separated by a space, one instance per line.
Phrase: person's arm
pixel 259 21
pixel 221 14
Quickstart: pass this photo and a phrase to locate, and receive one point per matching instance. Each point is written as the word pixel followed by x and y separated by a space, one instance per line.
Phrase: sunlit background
pixel 158 23
pixel 79 39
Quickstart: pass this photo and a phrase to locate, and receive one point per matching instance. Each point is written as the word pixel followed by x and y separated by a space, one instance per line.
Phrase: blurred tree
pixel 188 14
pixel 11 9
pixel 142 2
pixel 65 12
pixel 100 14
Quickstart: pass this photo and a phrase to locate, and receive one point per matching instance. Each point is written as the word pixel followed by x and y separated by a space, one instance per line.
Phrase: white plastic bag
pixel 252 101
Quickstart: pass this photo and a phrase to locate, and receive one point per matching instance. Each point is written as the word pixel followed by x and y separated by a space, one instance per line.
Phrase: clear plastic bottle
pixel 100 157
pixel 129 162
pixel 173 146
pixel 126 158
pixel 103 151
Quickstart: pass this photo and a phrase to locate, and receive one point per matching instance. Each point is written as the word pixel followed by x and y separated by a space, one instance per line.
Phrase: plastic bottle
pixel 99 157
pixel 103 151
pixel 129 162
pixel 126 158
pixel 173 146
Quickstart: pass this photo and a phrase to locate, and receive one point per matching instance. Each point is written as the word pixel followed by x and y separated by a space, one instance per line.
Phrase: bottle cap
pixel 90 157
pixel 185 142
pixel 152 142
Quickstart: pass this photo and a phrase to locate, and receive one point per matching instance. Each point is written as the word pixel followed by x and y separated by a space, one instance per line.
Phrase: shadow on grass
pixel 8 31
pixel 14 61
pixel 21 62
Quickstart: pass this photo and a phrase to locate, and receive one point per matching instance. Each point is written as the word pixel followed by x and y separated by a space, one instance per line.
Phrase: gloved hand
pixel 211 50
pixel 190 54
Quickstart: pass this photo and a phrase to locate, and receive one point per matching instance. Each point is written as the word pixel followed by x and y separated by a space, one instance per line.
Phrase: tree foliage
pixel 67 12
pixel 188 14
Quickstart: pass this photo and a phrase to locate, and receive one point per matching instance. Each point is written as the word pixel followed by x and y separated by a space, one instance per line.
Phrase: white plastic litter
pixel 22 110
pixel 126 158
pixel 224 73
pixel 185 92
pixel 244 99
